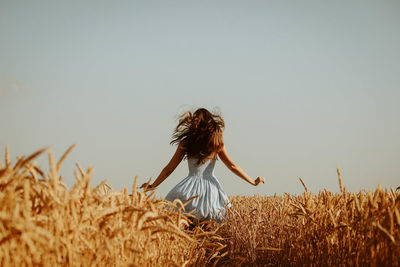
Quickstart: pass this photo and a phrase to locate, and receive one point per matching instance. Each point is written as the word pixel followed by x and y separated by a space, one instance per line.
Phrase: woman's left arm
pixel 173 163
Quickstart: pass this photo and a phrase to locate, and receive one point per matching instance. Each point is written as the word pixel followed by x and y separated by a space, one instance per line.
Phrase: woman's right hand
pixel 147 186
pixel 259 180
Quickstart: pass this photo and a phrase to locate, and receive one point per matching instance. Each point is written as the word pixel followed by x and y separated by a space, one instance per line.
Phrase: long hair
pixel 199 134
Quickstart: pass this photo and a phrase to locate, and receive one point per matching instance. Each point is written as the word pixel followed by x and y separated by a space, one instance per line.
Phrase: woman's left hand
pixel 259 180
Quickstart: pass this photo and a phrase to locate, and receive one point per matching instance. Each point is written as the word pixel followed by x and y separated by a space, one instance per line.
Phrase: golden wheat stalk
pixel 305 187
pixel 340 180
pixel 63 157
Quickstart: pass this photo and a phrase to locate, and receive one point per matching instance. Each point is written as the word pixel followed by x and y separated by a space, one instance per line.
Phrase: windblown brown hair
pixel 199 134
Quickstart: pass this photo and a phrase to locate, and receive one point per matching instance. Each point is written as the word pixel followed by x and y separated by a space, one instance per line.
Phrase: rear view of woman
pixel 199 140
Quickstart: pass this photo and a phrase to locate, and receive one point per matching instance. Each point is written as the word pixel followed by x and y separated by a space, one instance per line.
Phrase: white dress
pixel 201 181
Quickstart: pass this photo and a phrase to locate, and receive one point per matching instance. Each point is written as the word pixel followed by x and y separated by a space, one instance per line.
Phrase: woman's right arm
pixel 226 159
pixel 173 163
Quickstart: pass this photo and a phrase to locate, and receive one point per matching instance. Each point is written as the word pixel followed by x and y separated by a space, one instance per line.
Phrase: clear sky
pixel 304 87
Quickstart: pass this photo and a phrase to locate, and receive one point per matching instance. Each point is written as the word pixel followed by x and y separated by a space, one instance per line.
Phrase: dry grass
pixel 323 229
pixel 42 222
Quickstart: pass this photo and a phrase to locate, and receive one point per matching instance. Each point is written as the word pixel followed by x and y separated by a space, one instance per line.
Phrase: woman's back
pixel 201 170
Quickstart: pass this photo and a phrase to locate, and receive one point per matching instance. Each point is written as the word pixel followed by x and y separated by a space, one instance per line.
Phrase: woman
pixel 199 139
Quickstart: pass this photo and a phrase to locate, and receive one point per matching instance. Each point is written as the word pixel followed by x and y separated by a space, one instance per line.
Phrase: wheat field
pixel 44 223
